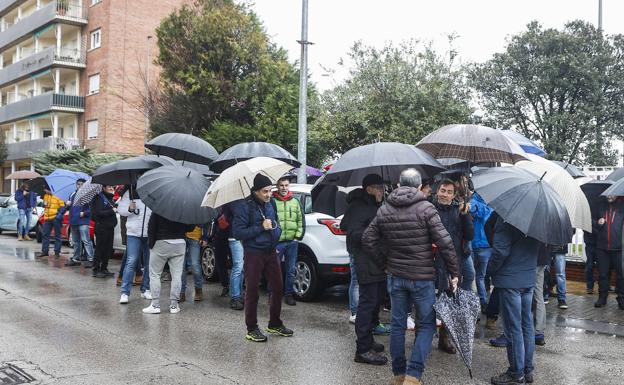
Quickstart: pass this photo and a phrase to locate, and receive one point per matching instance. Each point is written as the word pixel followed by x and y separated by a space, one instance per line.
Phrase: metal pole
pixel 148 97
pixel 303 95
pixel 600 15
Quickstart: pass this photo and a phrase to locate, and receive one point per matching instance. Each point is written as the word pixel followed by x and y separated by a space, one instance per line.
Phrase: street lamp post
pixel 148 97
pixel 303 96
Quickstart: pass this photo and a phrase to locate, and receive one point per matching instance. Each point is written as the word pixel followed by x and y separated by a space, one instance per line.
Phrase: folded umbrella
pixel 25 174
pixel 526 202
pixel 245 151
pixel 176 193
pixel 127 171
pixel 235 182
pixel 460 312
pixel 183 147
pixel 387 159
pixel 525 143
pixel 62 183
pixel 473 143
pixel 86 193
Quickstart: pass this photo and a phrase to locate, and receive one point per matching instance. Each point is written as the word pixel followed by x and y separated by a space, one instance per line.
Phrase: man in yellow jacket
pixel 52 205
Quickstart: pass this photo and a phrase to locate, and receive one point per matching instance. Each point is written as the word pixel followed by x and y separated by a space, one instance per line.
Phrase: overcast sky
pixel 482 25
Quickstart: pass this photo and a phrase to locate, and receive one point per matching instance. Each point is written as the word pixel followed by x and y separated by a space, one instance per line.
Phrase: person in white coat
pixel 137 247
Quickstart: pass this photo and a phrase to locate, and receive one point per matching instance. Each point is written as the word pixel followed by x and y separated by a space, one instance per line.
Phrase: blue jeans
pixel 560 266
pixel 23 225
pixel 47 228
pixel 236 275
pixel 192 258
pixel 468 272
pixel 518 328
pixel 288 250
pixel 354 288
pixel 136 248
pixel 404 294
pixel 481 259
pixel 81 238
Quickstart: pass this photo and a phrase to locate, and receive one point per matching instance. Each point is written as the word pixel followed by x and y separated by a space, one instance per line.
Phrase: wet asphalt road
pixel 63 327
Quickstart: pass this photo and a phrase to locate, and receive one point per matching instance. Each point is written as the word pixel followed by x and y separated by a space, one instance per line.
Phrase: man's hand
pixel 132 206
pixel 454 282
pixel 601 221
pixel 267 224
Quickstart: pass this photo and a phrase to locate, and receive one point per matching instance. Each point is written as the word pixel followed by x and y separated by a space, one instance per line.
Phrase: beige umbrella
pixel 235 182
pixel 573 198
pixel 25 174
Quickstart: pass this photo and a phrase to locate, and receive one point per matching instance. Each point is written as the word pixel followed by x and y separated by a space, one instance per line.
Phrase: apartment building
pixel 72 75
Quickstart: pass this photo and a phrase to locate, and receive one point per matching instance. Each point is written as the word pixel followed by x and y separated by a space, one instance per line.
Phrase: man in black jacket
pixel 362 208
pixel 104 215
pixel 458 222
pixel 608 228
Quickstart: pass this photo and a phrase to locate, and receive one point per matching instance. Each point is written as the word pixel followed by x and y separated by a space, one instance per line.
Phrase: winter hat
pixel 260 182
pixel 372 179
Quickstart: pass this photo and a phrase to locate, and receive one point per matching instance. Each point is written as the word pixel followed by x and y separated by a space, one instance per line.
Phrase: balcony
pixel 25 149
pixel 7 4
pixel 65 57
pixel 40 104
pixel 53 12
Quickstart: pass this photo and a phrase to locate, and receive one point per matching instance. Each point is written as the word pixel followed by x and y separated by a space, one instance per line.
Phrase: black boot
pixel 602 301
pixel 371 358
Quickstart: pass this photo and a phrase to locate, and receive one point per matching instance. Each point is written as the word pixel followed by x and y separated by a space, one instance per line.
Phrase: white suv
pixel 323 258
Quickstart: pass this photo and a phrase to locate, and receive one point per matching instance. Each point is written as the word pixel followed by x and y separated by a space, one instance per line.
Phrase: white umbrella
pixel 235 182
pixel 573 198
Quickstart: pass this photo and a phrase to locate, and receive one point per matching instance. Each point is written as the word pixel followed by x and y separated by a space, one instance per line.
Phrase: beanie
pixel 260 182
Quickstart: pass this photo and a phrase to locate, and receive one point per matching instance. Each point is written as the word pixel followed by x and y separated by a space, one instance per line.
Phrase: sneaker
pixel 528 378
pixel 499 342
pixel 540 339
pixel 70 262
pixel 174 309
pixel 411 325
pixel 506 379
pixel 562 304
pixel 146 294
pixel 42 254
pixel 151 309
pixel 289 300
pixel 281 331
pixel 256 336
pixel 237 304
pixel 124 299
pixel 381 330
pixel 370 358
pixel 352 319
pixel 108 273
pixel 602 301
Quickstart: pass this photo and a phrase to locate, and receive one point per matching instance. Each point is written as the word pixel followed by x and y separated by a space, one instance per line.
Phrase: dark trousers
pixel 368 314
pixel 104 237
pixel 608 260
pixel 590 264
pixel 255 265
pixel 222 253
pixel 493 307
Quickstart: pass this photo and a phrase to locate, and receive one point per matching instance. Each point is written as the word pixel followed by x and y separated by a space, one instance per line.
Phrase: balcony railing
pixel 25 149
pixel 5 4
pixel 40 104
pixel 68 101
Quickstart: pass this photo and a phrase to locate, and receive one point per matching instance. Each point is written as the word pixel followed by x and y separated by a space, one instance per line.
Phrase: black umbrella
pixel 127 171
pixel 473 143
pixel 329 199
pixel 526 202
pixel 245 151
pixel 176 193
pixel 460 312
pixel 616 189
pixel 570 168
pixel 593 191
pixel 617 174
pixel 183 147
pixel 387 159
pixel 200 168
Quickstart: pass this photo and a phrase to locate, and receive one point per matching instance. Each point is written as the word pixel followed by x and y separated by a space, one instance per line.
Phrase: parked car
pixel 9 214
pixel 323 259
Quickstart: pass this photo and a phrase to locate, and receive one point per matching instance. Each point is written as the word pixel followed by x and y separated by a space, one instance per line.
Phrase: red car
pixel 65 232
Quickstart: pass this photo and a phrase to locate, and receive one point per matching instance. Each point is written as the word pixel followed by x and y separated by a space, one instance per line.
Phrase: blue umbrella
pixel 62 183
pixel 529 146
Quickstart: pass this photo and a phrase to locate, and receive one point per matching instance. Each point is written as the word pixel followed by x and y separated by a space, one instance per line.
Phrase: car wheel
pixel 208 264
pixel 308 286
pixel 39 233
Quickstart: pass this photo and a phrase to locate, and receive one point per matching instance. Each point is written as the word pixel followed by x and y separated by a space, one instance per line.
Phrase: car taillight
pixel 333 225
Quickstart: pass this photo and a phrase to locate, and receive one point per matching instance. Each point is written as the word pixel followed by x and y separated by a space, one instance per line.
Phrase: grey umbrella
pixel 387 159
pixel 176 193
pixel 617 174
pixel 527 203
pixel 245 151
pixel 460 312
pixel 200 168
pixel 473 143
pixel 183 147
pixel 571 169
pixel 127 171
pixel 86 193
pixel 615 189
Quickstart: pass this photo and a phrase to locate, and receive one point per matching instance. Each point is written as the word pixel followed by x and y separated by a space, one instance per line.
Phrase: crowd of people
pixel 421 239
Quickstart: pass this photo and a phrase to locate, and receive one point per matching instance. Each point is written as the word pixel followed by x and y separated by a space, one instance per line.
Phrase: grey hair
pixel 410 178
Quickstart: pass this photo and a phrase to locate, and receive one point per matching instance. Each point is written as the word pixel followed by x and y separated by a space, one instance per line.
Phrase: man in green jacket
pixel 290 218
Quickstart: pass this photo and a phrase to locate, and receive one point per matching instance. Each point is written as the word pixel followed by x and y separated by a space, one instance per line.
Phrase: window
pixel 94 84
pixel 47 132
pixel 96 38
pixel 94 2
pixel 92 129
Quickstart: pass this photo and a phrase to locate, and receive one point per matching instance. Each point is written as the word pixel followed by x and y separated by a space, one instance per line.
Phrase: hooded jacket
pixel 290 216
pixel 138 221
pixel 247 225
pixel 361 210
pixel 405 228
pixel 480 212
pixel 25 201
pixel 52 206
pixel 609 235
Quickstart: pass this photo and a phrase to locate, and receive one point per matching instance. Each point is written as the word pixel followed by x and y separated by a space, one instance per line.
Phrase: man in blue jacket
pixel 255 225
pixel 481 250
pixel 79 219
pixel 512 268
pixel 26 202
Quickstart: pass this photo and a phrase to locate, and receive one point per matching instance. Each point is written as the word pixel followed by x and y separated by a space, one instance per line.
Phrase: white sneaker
pixel 151 310
pixel 146 295
pixel 174 309
pixel 124 298
pixel 352 319
pixel 411 325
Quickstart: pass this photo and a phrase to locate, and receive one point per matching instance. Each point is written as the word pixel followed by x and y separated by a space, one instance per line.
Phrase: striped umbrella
pixel 86 193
